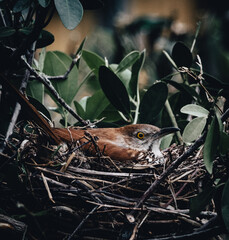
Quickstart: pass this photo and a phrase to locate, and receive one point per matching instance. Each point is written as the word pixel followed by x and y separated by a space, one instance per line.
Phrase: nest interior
pixel 60 192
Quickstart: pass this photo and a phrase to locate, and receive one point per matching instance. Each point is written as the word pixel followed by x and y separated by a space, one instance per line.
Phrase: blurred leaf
pixel 182 55
pixel 96 104
pixel 70 12
pixel 6 31
pixel 44 3
pixel 200 202
pixel 128 61
pixel 57 63
pixel 40 107
pixel 46 38
pixel 184 87
pixel 35 89
pixel 153 102
pixel 21 5
pixel 195 110
pixel 91 5
pixel 211 144
pixel 225 205
pixel 194 129
pixel 133 86
pixel 224 143
pixel 114 90
pixel 93 61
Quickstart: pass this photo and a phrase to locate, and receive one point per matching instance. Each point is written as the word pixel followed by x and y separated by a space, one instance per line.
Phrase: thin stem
pixel 173 119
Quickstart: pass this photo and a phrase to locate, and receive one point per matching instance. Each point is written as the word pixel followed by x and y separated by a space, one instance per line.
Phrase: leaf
pixel 80 110
pixel 166 141
pixel 40 107
pixel 93 61
pixel 194 129
pixel 44 3
pixel 136 68
pixel 199 203
pixel 21 5
pixel 96 104
pixel 46 38
pixel 153 102
pixel 35 89
pixel 70 12
pixel 225 205
pixel 114 90
pixel 6 31
pixel 57 63
pixel 195 110
pixel 184 88
pixel 211 144
pixel 182 55
pixel 128 61
pixel 124 76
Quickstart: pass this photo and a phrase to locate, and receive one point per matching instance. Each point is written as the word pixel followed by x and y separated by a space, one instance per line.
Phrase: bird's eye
pixel 140 135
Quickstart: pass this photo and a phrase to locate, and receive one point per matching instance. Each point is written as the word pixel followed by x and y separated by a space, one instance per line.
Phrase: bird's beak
pixel 165 131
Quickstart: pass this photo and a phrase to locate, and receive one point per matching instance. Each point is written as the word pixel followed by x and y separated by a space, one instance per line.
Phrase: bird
pixel 131 142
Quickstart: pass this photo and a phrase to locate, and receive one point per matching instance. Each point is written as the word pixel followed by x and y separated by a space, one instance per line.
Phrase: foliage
pixel 193 106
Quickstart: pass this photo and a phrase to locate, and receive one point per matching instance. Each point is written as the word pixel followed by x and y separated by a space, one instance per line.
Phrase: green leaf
pixel 184 88
pixel 153 102
pixel 96 104
pixel 195 110
pixel 211 144
pixel 44 3
pixel 200 202
pixel 225 205
pixel 93 61
pixel 114 90
pixel 70 12
pixel 124 76
pixel 6 31
pixel 21 5
pixel 194 129
pixel 80 110
pixel 35 89
pixel 46 38
pixel 136 68
pixel 182 55
pixel 57 63
pixel 128 61
pixel 40 107
pixel 166 141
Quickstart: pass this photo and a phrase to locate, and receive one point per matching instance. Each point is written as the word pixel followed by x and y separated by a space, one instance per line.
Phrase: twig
pixel 204 234
pixel 42 78
pixel 82 222
pixel 173 119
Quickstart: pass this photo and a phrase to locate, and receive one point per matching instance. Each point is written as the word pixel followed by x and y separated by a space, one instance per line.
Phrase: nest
pixel 74 196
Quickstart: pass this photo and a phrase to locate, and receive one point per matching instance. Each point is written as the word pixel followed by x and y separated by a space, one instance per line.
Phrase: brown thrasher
pixel 131 142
